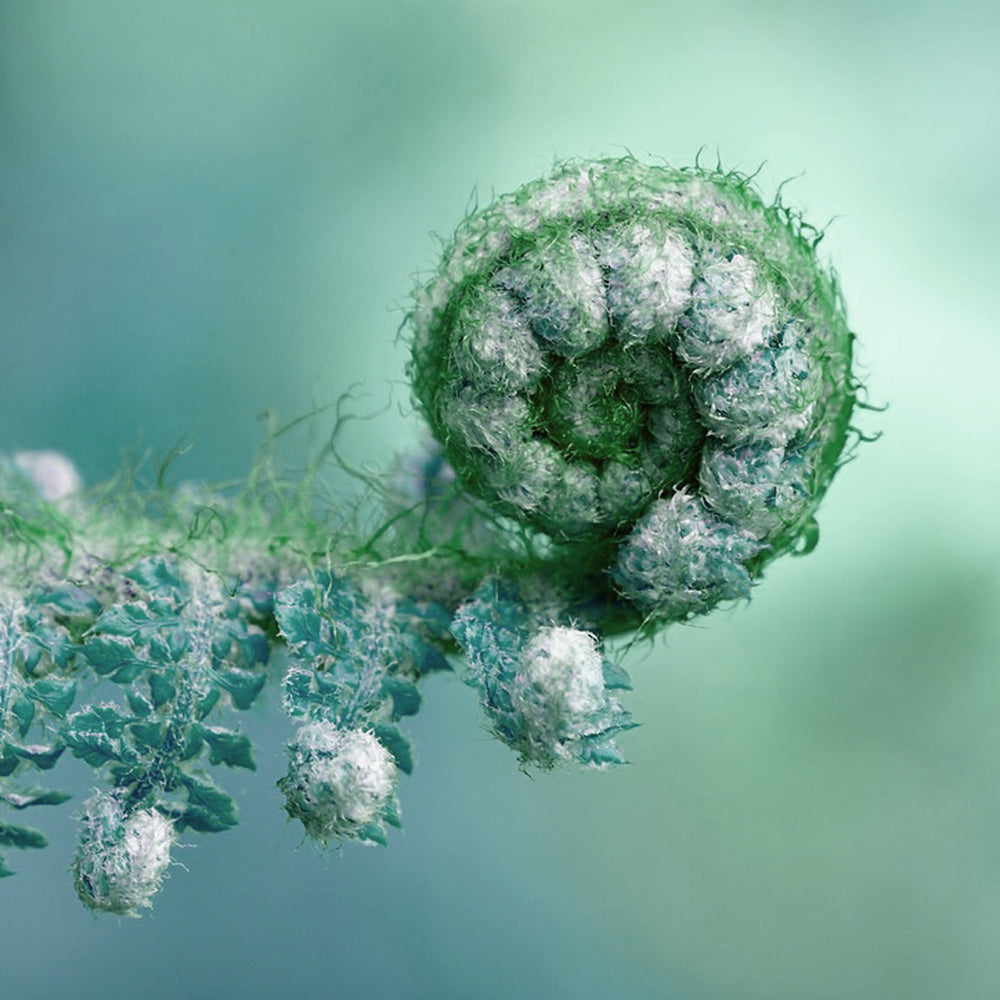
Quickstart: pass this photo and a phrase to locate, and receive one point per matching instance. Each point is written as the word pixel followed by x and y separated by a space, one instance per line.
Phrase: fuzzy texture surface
pixel 646 365
pixel 340 784
pixel 639 380
pixel 547 690
pixel 121 860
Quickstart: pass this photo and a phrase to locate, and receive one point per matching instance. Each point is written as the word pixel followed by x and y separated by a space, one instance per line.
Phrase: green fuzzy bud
pixel 621 355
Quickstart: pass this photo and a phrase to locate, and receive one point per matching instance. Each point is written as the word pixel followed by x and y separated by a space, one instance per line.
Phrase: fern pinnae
pixel 189 640
pixel 32 699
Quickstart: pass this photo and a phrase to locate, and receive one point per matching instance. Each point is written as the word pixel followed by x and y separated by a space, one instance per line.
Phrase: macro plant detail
pixel 647 366
pixel 638 379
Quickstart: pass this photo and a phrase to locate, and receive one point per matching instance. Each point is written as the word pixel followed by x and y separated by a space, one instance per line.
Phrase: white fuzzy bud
pixel 733 312
pixel 682 560
pixel 558 688
pixel 650 270
pixel 121 862
pixel 765 490
pixel 53 474
pixel 339 782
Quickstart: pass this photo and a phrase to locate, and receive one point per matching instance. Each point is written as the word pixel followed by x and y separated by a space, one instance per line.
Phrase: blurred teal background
pixel 208 210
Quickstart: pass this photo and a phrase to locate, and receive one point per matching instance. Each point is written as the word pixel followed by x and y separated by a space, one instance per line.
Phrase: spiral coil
pixel 645 360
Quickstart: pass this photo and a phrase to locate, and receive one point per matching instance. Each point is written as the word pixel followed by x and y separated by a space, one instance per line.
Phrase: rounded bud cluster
pixel 643 358
pixel 559 692
pixel 547 689
pixel 121 860
pixel 341 783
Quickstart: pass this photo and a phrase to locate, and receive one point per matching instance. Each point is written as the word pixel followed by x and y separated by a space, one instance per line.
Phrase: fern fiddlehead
pixel 648 366
pixel 640 383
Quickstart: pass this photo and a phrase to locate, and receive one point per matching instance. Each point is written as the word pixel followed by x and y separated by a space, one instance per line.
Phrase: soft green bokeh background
pixel 212 209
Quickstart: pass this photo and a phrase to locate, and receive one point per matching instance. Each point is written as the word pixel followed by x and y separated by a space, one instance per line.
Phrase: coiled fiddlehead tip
pixel 647 365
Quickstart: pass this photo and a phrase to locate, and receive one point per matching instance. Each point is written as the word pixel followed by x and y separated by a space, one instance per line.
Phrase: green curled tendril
pixel 648 367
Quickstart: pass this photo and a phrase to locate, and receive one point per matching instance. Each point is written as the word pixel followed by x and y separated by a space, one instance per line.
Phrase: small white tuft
pixel 650 271
pixel 54 475
pixel 770 395
pixel 121 861
pixel 528 476
pixel 765 490
pixel 733 312
pixel 565 666
pixel 561 290
pixel 493 343
pixel 491 422
pixel 682 560
pixel 558 691
pixel 339 782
